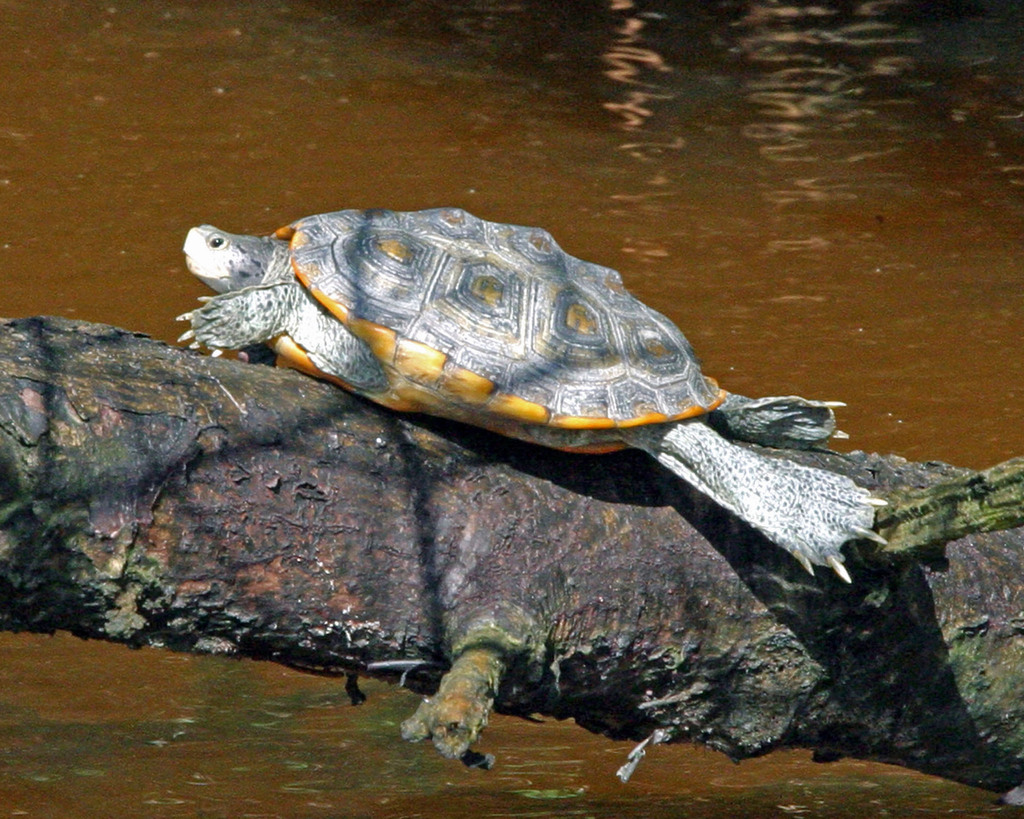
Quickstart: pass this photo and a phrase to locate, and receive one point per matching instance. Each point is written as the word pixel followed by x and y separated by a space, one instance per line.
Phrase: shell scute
pixel 484 296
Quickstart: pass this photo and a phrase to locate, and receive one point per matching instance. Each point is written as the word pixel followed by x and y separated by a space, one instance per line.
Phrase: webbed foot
pixel 235 319
pixel 826 511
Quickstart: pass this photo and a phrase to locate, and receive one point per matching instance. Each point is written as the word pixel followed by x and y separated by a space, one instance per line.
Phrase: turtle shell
pixel 478 320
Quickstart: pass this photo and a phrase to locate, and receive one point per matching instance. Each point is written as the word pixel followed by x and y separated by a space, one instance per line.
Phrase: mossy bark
pixel 156 497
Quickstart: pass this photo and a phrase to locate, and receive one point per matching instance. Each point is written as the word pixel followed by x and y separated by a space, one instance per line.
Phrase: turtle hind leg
pixel 809 512
pixel 786 422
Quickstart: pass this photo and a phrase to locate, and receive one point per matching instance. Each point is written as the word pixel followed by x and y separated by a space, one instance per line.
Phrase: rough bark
pixel 156 497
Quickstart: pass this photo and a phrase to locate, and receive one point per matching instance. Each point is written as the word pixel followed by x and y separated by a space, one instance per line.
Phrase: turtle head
pixel 230 261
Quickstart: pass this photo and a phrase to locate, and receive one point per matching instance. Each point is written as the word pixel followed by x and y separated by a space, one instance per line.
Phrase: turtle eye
pixel 215 242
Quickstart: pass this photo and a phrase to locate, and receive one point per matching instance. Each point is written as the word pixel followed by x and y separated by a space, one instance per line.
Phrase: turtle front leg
pixel 244 317
pixel 261 314
pixel 454 717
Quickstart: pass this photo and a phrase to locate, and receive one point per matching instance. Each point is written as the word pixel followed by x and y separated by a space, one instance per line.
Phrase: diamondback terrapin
pixel 441 312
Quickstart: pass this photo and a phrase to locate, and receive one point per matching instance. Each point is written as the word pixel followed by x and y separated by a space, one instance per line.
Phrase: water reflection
pixel 627 62
pixel 206 736
pixel 813 82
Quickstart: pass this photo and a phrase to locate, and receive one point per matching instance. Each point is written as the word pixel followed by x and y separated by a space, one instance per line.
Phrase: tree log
pixel 152 496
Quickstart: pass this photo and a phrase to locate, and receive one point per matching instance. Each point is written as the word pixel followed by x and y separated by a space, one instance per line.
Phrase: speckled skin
pixel 441 312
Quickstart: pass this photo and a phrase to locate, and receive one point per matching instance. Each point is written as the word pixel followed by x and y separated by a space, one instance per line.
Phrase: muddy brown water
pixel 828 198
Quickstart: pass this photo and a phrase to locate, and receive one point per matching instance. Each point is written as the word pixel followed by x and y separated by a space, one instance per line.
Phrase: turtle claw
pixel 839 568
pixel 868 534
pixel 184 316
pixel 195 345
pixel 835 563
pixel 188 335
pixel 879 502
pixel 839 435
pixel 804 561
pixel 216 353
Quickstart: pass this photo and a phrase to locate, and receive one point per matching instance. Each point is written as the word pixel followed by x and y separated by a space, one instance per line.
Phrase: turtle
pixel 441 312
